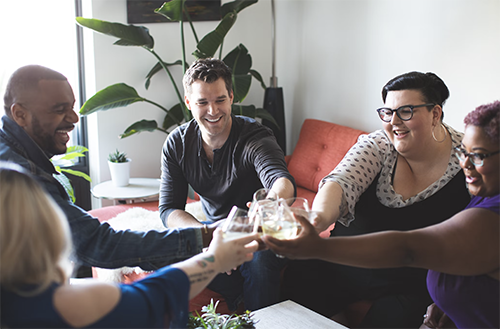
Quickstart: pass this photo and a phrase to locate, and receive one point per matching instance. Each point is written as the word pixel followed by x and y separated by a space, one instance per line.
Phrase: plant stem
pixel 181 100
pixel 192 27
pixel 164 109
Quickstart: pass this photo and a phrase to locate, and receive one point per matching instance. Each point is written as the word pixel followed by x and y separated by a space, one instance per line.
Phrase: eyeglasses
pixel 405 113
pixel 477 159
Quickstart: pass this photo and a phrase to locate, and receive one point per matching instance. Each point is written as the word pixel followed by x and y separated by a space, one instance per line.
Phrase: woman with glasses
pixel 461 253
pixel 402 177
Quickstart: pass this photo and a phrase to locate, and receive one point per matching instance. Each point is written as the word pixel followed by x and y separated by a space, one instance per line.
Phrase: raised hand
pixel 306 245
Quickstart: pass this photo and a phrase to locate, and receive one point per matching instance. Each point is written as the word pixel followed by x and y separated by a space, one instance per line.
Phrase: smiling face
pixel 484 180
pixel 210 104
pixel 412 136
pixel 47 115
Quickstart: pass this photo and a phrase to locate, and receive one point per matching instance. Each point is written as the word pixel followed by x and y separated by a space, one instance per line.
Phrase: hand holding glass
pixel 279 224
pixel 238 224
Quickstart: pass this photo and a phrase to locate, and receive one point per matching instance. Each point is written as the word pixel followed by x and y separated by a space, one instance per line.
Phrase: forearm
pixel 329 205
pixel 201 270
pixel 181 218
pixel 284 188
pixel 377 250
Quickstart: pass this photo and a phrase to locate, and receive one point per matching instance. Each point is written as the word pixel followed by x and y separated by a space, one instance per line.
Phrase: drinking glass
pixel 261 195
pixel 300 207
pixel 238 224
pixel 282 225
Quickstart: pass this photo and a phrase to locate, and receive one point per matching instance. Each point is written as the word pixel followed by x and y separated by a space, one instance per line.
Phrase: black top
pixel 250 159
pixel 371 216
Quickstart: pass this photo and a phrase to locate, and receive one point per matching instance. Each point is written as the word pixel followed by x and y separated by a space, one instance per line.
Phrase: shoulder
pixel 490 203
pixel 250 127
pixel 183 134
pixel 456 136
pixel 83 304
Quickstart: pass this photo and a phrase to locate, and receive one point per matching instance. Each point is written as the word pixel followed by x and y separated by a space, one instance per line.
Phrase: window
pixel 44 32
pixel 40 32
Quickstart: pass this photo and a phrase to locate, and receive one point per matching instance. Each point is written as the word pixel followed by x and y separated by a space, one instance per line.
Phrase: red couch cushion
pixel 320 148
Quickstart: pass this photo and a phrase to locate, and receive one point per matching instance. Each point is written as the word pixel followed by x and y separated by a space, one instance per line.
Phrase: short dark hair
pixel 25 79
pixel 487 117
pixel 429 84
pixel 208 70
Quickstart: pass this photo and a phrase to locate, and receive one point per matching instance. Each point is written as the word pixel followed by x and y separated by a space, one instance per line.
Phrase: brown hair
pixel 208 70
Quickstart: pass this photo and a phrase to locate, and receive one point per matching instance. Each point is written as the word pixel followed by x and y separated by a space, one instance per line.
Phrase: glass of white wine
pixel 300 207
pixel 282 225
pixel 261 195
pixel 238 224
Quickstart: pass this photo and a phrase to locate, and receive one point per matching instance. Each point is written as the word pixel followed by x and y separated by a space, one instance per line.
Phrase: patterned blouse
pixel 373 154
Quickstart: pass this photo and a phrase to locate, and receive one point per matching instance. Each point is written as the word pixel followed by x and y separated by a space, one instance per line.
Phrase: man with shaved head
pixel 38 118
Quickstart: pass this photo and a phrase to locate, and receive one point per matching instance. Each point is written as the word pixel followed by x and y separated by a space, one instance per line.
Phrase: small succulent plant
pixel 117 157
pixel 213 320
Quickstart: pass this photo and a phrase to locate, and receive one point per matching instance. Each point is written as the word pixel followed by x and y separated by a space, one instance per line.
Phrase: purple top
pixel 470 301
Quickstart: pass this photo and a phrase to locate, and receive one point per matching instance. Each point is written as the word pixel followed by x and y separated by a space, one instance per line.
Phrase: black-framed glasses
pixel 477 159
pixel 405 112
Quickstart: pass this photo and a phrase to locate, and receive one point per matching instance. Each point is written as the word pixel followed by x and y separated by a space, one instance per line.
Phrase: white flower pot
pixel 120 172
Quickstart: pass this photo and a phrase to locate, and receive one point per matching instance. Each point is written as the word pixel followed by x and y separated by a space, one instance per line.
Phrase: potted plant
pixel 119 166
pixel 210 319
pixel 120 94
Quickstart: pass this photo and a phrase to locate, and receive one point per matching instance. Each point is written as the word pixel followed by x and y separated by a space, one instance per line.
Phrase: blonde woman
pixel 35 244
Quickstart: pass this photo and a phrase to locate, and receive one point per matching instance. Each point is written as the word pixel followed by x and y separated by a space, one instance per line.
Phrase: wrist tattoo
pixel 203 262
pixel 201 276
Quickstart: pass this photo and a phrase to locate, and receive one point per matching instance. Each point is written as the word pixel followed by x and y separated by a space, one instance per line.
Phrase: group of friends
pixel 416 207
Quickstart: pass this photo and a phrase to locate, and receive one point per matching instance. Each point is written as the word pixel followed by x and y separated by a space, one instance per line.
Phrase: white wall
pixel 108 64
pixel 333 57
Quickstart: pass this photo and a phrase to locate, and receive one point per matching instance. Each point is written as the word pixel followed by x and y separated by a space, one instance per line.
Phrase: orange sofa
pixel 321 146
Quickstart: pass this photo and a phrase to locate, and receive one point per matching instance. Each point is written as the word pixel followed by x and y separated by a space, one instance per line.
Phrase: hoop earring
pixel 433 136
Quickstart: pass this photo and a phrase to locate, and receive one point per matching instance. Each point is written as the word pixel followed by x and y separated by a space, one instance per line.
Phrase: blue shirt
pixel 160 298
pixel 97 244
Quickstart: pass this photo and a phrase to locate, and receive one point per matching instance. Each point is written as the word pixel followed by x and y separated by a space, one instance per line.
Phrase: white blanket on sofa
pixel 142 220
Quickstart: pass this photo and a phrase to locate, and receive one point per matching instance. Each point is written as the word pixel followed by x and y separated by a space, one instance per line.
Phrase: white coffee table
pixel 290 315
pixel 138 190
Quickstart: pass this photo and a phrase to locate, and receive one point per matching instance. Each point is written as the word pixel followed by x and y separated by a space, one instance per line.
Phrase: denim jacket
pixel 97 244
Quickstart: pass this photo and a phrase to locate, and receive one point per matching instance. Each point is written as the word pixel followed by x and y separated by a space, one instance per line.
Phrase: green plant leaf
pixel 140 126
pixel 117 95
pixel 236 6
pixel 239 60
pixel 210 42
pixel 177 112
pixel 77 173
pixel 172 10
pixel 72 152
pixel 265 115
pixel 241 86
pixel 158 68
pixel 128 35
pixel 257 76
pixel 66 184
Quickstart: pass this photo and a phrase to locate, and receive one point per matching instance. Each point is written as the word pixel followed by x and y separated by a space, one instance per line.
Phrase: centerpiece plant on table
pixel 121 94
pixel 210 319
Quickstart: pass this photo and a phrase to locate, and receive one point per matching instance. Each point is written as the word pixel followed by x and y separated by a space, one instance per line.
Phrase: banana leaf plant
pixel 121 94
pixel 69 158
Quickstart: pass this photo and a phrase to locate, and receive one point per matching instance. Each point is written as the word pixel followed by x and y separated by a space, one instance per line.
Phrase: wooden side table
pixel 138 190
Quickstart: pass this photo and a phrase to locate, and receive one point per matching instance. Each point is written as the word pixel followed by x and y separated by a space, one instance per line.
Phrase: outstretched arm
pixel 466 244
pixel 329 205
pixel 221 256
